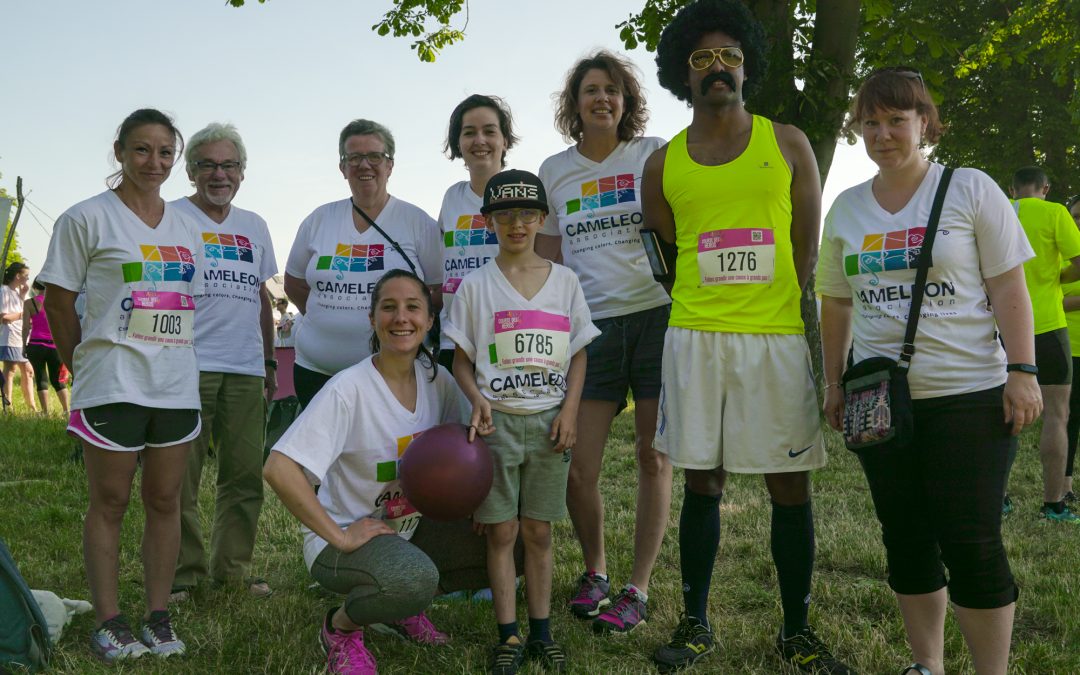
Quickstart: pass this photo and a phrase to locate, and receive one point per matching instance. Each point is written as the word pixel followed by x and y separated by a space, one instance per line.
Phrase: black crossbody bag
pixel 877 401
pixel 434 335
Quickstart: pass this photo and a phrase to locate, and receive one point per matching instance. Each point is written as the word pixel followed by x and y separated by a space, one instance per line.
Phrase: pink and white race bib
pixel 531 337
pixel 163 318
pixel 738 256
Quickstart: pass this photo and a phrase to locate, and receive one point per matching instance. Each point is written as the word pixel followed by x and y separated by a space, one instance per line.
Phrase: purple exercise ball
pixel 444 475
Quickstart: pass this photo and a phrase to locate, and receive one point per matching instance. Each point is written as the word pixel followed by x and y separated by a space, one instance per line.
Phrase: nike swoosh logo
pixel 792 453
pixel 98 424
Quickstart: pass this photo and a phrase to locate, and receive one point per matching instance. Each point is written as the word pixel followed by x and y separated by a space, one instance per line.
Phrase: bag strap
pixel 397 246
pixel 908 348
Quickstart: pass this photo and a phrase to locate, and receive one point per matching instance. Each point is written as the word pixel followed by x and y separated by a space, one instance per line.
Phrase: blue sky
pixel 290 75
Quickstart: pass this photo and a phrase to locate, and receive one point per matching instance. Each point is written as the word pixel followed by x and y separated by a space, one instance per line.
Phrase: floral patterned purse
pixel 877 401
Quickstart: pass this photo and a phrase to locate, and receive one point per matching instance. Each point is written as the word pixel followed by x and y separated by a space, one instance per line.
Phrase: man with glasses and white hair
pixel 234 342
pixel 736 200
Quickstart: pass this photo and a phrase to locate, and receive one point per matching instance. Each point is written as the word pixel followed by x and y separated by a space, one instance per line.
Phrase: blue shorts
pixel 626 356
pixel 12 355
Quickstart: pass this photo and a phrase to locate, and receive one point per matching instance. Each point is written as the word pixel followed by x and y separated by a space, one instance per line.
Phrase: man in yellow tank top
pixel 1053 235
pixel 740 197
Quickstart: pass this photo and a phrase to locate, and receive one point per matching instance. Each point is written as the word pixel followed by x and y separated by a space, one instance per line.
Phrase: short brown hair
pixel 895 88
pixel 621 72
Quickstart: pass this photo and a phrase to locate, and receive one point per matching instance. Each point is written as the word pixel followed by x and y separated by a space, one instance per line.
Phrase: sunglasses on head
pixel 903 71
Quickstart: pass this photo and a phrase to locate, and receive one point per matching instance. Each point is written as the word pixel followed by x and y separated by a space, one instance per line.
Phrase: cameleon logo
pixel 219 246
pixel 353 258
pixel 469 231
pixel 161 263
pixel 898 250
pixel 387 471
pixel 607 191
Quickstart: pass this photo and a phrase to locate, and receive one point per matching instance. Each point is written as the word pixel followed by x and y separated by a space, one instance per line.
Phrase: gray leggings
pixel 388 578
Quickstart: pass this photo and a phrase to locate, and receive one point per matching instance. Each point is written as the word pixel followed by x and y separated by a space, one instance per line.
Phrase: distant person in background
pixel 480 133
pixel 1053 235
pixel 41 351
pixel 343 248
pixel 598 180
pixel 12 296
pixel 1071 305
pixel 136 393
pixel 285 324
pixel 234 340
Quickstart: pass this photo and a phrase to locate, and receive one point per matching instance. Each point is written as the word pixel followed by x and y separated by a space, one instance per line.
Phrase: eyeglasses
pixel 903 71
pixel 206 166
pixel 700 59
pixel 509 216
pixel 354 159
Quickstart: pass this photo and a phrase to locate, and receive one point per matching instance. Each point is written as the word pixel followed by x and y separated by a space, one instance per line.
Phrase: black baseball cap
pixel 514 189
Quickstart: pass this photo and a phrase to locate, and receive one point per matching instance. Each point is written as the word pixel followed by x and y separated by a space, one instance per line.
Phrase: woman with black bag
pixel 937 489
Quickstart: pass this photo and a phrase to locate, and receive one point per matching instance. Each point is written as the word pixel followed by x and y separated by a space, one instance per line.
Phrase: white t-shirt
pixel 870 255
pixel 596 209
pixel 521 348
pixel 467 243
pixel 139 281
pixel 342 266
pixel 238 257
pixel 351 436
pixel 11 333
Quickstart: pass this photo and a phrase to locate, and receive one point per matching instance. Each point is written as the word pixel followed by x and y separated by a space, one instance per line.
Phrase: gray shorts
pixel 529 479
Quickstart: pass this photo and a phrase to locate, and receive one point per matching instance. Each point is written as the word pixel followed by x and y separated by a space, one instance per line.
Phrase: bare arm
pixel 298 291
pixel 465 374
pixel 1072 272
pixel 1012 311
pixel 835 342
pixel 549 247
pixel 64 322
pixel 266 326
pixel 654 205
pixel 1071 303
pixel 27 314
pixel 287 479
pixel 564 426
pixel 805 199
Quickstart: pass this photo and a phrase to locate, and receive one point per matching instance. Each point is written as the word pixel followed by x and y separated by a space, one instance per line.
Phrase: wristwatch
pixel 1023 368
pixel 270 363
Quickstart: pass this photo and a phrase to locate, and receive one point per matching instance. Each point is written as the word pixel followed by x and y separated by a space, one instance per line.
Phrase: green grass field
pixel 43 498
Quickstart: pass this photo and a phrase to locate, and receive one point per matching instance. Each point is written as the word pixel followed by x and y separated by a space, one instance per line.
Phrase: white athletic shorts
pixel 746 402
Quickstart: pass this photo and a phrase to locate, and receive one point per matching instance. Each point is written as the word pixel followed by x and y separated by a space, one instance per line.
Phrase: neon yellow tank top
pixel 735 272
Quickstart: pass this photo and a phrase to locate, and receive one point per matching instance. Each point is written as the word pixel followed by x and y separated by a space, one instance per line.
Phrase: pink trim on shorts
pixel 78 427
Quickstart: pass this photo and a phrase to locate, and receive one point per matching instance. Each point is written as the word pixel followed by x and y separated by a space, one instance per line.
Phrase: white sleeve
pixel 460 328
pixel 68 256
pixel 428 250
pixel 320 434
pixel 198 283
pixel 455 407
pixel 269 267
pixel 829 278
pixel 582 329
pixel 999 236
pixel 551 222
pixel 301 251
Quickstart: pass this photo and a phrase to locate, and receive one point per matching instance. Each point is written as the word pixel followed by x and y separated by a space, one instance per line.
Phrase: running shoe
pixel 808 653
pixel 114 641
pixel 1070 497
pixel 1063 516
pixel 507 656
pixel 691 640
pixel 591 596
pixel 345 652
pixel 418 629
pixel 159 636
pixel 548 654
pixel 624 615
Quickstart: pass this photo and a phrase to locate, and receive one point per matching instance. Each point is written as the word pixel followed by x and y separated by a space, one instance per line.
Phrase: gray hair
pixel 213 133
pixel 366 128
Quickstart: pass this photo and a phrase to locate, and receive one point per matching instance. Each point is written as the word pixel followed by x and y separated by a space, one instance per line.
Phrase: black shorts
pixel 1053 357
pixel 127 427
pixel 626 356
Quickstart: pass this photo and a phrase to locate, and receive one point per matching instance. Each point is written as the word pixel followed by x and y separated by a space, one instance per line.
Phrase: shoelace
pixel 119 631
pixel 685 632
pixel 552 654
pixel 585 588
pixel 419 627
pixel 162 630
pixel 506 654
pixel 352 651
pixel 625 605
pixel 811 643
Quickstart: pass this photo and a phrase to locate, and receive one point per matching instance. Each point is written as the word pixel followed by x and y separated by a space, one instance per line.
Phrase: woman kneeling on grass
pixel 348 441
pixel 938 497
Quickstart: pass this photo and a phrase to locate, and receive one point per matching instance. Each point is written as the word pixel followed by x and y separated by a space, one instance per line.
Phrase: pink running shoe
pixel 345 652
pixel 418 629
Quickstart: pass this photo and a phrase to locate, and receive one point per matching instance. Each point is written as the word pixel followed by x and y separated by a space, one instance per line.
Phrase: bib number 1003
pixel 168 324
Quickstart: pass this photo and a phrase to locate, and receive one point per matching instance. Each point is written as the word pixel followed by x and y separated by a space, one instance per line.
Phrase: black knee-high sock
pixel 699 537
pixel 793 555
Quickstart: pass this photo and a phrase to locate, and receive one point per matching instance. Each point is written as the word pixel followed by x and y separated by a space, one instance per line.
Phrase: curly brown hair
pixel 623 73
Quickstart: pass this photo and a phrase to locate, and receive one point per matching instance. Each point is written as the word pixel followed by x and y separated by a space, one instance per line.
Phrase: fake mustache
pixel 722 76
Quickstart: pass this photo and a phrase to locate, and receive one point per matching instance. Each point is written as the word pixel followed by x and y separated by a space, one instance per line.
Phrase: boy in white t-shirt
pixel 520 324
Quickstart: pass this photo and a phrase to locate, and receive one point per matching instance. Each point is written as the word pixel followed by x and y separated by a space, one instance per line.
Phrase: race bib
pixel 450 285
pixel 739 256
pixel 531 338
pixel 399 514
pixel 162 318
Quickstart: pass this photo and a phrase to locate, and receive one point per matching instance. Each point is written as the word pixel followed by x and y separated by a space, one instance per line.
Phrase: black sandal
pixel 919 669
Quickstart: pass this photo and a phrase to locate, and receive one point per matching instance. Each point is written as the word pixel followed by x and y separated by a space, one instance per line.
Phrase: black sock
pixel 1056 507
pixel 699 538
pixel 793 554
pixel 540 629
pixel 508 630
